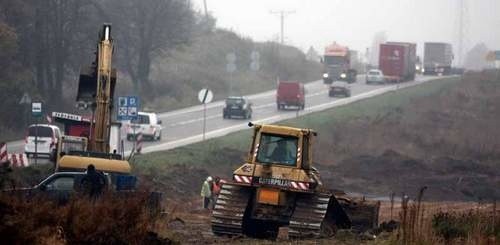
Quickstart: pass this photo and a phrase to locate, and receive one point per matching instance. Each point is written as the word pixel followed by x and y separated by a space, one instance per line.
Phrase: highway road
pixel 185 126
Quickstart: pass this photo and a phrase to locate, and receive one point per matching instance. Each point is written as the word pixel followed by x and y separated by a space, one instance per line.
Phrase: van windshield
pixel 41 131
pixel 277 149
pixel 141 119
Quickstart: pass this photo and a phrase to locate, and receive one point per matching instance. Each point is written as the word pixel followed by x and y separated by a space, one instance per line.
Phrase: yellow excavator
pixel 278 186
pixel 96 90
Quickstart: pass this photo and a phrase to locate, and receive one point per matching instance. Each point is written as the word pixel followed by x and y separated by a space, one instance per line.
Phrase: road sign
pixel 36 109
pixel 255 55
pixel 230 67
pixel 497 55
pixel 205 96
pixel 255 65
pixel 26 99
pixel 231 57
pixel 128 106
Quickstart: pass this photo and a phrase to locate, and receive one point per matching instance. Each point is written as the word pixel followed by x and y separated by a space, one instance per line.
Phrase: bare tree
pixel 145 30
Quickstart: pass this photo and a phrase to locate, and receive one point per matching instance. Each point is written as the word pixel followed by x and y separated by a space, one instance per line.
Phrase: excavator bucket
pixel 87 85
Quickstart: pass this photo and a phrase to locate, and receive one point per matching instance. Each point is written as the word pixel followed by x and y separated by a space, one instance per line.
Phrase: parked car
pixel 47 137
pixel 374 76
pixel 340 88
pixel 237 106
pixel 290 94
pixel 146 123
pixel 60 187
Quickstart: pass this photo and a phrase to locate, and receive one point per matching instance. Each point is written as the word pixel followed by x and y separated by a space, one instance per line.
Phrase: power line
pixel 282 14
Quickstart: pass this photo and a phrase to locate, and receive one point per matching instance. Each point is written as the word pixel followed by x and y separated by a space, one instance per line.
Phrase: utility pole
pixel 206 8
pixel 282 14
pixel 462 32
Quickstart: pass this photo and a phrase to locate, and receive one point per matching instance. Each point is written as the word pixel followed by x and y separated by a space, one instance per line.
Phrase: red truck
pixel 397 61
pixel 290 94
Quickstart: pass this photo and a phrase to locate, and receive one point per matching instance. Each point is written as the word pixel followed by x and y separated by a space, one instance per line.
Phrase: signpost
pixel 255 64
pixel 36 112
pixel 205 96
pixel 128 106
pixel 26 102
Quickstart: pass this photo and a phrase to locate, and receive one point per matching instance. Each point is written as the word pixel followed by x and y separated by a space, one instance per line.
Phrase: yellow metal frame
pixel 80 163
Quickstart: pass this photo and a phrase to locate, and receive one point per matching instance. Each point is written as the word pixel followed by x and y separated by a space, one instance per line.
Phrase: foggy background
pixel 354 22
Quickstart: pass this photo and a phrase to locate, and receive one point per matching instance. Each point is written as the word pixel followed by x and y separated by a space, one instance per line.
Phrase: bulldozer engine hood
pixel 294 179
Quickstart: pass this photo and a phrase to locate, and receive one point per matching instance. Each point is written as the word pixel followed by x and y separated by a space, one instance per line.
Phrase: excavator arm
pixel 96 88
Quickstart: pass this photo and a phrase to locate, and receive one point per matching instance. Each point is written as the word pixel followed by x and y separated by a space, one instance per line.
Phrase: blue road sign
pixel 128 106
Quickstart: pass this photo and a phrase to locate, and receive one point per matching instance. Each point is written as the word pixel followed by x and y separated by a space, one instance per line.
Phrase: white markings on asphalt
pixel 195 120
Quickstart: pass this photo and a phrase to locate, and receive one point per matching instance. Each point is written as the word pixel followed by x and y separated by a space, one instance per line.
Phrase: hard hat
pixel 209 178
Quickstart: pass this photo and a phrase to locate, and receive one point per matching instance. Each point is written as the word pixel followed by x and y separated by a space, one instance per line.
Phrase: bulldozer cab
pixel 281 146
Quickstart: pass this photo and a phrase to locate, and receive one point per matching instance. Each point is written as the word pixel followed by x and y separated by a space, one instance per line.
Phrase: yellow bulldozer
pixel 278 186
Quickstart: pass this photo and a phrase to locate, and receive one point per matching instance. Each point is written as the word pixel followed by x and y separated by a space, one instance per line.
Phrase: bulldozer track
pixel 308 219
pixel 229 210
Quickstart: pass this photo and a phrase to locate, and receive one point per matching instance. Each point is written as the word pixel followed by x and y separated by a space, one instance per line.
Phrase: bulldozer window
pixel 277 149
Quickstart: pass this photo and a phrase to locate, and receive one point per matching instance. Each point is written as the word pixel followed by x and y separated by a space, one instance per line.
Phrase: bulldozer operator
pixel 285 150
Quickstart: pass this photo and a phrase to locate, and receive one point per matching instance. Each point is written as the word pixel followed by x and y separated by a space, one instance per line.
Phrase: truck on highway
pixel 437 58
pixel 338 64
pixel 291 93
pixel 397 61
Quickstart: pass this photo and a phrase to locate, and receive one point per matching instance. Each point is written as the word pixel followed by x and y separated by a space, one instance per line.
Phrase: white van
pixel 146 123
pixel 47 139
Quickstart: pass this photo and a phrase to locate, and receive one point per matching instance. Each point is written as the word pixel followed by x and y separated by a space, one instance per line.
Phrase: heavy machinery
pixel 95 91
pixel 278 186
pixel 339 64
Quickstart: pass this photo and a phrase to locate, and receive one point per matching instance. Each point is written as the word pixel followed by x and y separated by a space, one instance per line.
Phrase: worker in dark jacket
pixel 93 182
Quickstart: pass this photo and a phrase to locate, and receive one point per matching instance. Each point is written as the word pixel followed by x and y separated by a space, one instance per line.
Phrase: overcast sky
pixel 354 22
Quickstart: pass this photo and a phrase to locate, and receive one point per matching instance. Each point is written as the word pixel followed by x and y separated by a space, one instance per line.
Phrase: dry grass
pixel 443 222
pixel 108 220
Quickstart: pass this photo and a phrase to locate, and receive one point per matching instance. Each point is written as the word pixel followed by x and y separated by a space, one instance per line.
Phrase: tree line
pixel 43 44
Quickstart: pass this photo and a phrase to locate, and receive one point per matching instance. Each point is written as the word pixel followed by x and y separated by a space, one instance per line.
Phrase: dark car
pixel 61 186
pixel 237 106
pixel 340 88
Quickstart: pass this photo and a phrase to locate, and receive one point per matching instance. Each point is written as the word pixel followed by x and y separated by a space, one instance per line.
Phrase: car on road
pixel 290 94
pixel 237 106
pixel 146 123
pixel 340 88
pixel 46 136
pixel 375 76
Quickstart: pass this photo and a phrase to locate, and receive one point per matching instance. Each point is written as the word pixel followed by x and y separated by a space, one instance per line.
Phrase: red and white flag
pixel 3 152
